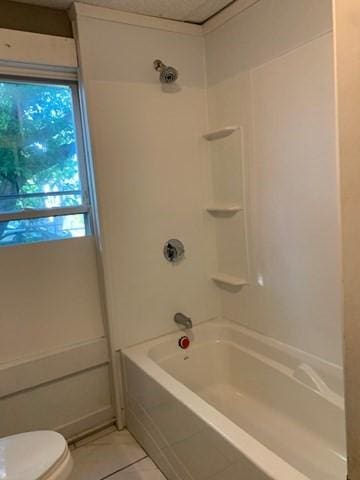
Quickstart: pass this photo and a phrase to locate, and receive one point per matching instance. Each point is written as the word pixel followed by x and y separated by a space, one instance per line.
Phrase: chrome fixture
pixel 183 320
pixel 174 250
pixel 167 74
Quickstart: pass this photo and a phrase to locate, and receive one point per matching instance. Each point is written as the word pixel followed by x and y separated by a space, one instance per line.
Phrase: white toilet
pixel 40 455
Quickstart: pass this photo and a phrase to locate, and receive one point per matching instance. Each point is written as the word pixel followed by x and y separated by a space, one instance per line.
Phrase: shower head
pixel 167 74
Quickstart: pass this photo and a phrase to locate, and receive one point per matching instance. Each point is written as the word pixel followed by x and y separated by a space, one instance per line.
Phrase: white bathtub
pixel 235 406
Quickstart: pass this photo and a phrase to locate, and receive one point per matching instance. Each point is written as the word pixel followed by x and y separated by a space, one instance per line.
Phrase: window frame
pixel 85 207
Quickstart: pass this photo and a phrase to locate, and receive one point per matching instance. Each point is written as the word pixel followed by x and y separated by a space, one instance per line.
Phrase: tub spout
pixel 183 320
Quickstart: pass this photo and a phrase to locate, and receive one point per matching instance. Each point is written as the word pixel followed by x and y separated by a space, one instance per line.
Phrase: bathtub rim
pixel 261 456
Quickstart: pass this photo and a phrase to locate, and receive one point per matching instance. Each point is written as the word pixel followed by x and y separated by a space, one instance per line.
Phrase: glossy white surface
pixel 62 470
pixel 220 133
pixel 153 175
pixel 240 386
pixel 297 268
pixel 224 209
pixel 230 280
pixel 227 162
pixel 34 456
pixel 280 89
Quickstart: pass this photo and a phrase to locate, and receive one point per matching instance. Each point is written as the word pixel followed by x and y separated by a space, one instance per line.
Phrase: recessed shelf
pixel 229 280
pixel 221 132
pixel 224 209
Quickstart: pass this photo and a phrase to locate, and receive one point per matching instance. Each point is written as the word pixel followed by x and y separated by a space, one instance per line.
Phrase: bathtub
pixel 235 405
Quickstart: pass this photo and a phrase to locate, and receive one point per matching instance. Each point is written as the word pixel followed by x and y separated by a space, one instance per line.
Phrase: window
pixel 43 184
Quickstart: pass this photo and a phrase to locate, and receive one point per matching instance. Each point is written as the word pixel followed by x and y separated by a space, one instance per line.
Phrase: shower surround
pixel 266 73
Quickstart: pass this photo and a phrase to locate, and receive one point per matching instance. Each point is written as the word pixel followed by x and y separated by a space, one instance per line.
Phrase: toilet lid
pixel 28 456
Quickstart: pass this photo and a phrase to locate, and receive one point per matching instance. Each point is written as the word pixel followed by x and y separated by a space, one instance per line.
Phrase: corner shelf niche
pixel 221 133
pixel 227 156
pixel 229 280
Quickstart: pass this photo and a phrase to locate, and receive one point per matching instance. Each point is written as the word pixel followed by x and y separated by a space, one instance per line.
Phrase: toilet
pixel 42 455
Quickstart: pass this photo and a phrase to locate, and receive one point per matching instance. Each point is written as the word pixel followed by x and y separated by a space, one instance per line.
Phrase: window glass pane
pixel 38 152
pixel 42 229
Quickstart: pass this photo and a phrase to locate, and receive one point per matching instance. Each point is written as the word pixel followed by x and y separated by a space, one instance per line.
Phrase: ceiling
pixel 196 11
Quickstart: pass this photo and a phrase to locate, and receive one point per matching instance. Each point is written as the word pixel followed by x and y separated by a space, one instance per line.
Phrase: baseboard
pixel 87 425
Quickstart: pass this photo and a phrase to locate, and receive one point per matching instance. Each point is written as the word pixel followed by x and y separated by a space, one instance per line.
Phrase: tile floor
pixel 112 455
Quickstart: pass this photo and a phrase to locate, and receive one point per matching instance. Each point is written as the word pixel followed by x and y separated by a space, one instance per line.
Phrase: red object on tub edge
pixel 184 342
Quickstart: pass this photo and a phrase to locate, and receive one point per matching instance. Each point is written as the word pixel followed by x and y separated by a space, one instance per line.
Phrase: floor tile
pixel 143 470
pixel 95 436
pixel 105 456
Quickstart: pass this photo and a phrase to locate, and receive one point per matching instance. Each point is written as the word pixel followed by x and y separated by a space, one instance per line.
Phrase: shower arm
pixel 158 65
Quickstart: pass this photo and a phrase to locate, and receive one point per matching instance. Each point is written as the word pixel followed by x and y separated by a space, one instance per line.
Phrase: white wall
pixel 50 298
pixel 54 362
pixel 270 70
pixel 347 56
pixel 152 170
pixel 67 390
pixel 52 347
